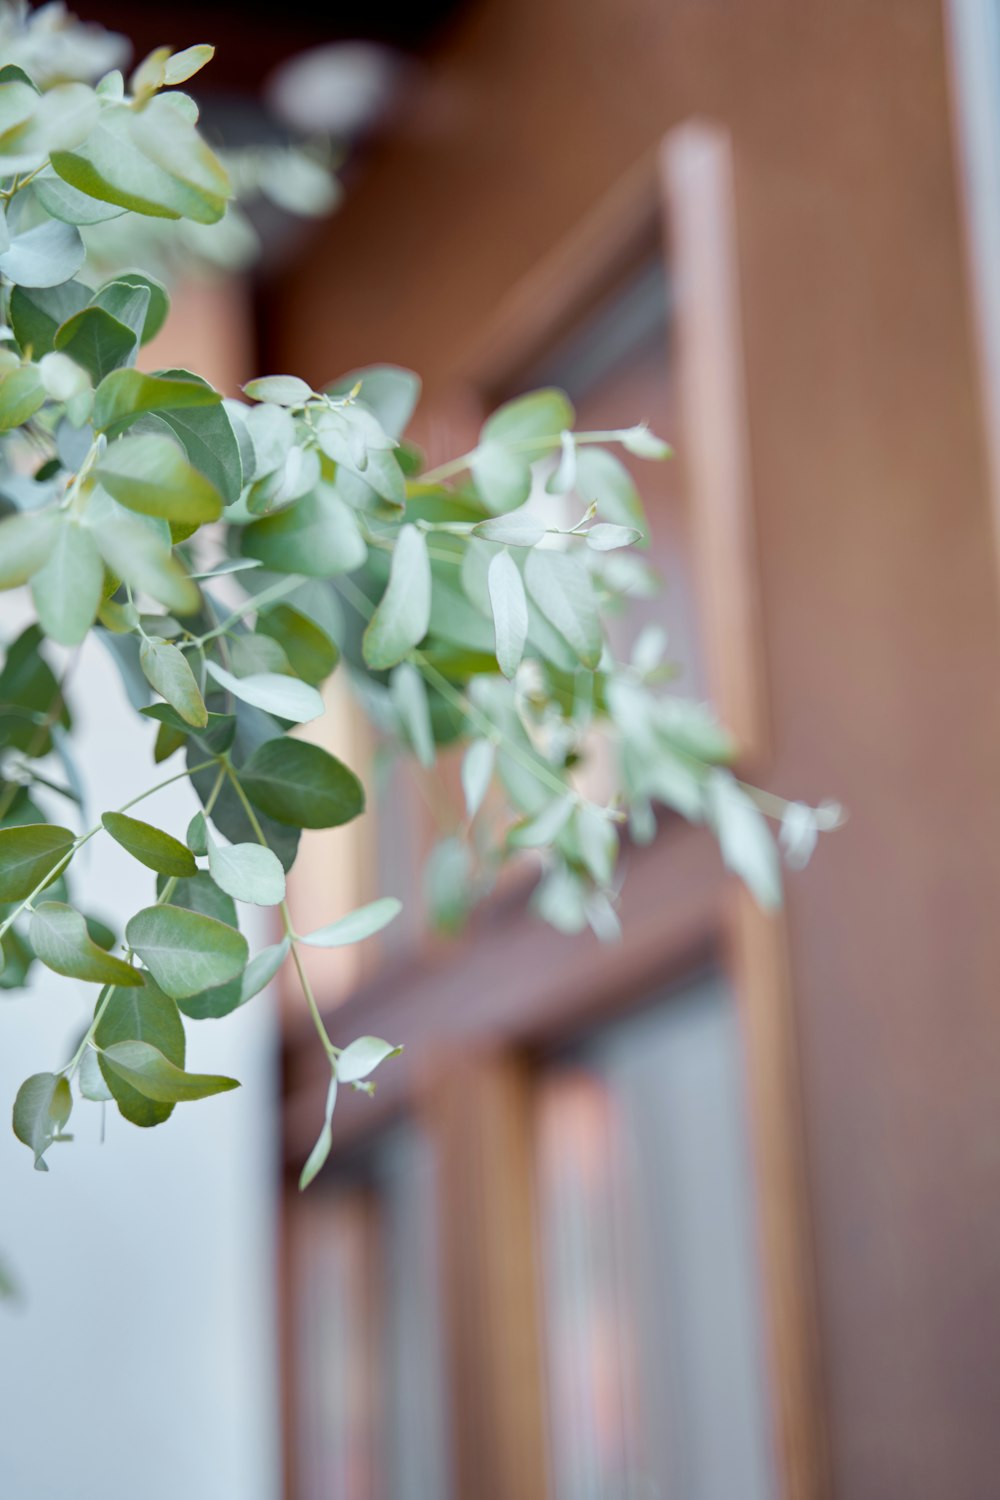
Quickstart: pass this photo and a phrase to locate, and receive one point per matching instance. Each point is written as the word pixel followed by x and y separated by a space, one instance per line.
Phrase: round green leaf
pixel 185 951
pixel 301 784
pixel 317 536
pixel 150 846
pixel 532 424
pixel 25 541
pixel 247 872
pixel 363 1057
pixel 41 1109
pixel 146 1015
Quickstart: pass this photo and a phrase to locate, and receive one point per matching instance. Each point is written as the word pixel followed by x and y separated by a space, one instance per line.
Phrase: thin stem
pixel 518 445
pixel 251 603
pixel 286 917
pixel 162 898
pixel 84 838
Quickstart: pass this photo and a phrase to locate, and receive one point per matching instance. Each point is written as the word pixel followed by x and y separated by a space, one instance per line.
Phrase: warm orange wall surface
pixel 879 590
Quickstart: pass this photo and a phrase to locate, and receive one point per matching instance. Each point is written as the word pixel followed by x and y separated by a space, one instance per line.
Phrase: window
pixel 652 1322
pixel 371 1407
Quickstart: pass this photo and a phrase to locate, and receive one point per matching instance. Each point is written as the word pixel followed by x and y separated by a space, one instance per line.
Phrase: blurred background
pixel 713 1214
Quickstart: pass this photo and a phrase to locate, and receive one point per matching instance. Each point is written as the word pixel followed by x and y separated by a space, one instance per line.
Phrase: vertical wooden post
pixel 698 182
pixel 480 1118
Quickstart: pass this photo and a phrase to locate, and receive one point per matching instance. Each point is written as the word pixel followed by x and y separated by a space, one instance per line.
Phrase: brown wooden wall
pixel 879 589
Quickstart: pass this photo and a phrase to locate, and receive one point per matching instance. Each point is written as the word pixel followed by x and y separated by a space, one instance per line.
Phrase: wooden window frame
pixel 453 1007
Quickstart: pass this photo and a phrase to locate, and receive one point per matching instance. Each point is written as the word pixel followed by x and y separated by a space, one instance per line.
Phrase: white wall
pixel 141 1358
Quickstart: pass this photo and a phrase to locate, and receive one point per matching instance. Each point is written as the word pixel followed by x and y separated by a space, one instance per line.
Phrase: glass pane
pixel 653 1323
pixel 370 1385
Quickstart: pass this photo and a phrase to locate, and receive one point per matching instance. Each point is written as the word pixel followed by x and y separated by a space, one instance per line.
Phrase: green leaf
pixel 316 536
pixel 744 838
pixel 25 541
pixel 201 894
pixel 146 1015
pixel 604 479
pixel 262 968
pixel 150 475
pixel 310 652
pixel 319 1153
pixel 185 951
pixel 150 846
pixel 129 393
pixel 540 831
pixel 136 549
pixel 409 696
pixel 285 697
pixel 47 255
pixel 37 313
pixel 166 668
pixel 389 391
pixel 247 872
pixel 157 307
pixel 515 529
pixel 253 653
pixel 91 1079
pixel 605 537
pixel 67 590
pixel 28 854
pixel 196 837
pixel 502 477
pixel 356 925
pixel 362 1057
pixel 301 784
pixel 60 201
pixel 560 586
pixel 283 390
pixel 151 161
pixel 97 340
pixel 207 436
pixel 155 1077
pixel 401 619
pixel 183 65
pixel 477 773
pixel 643 443
pixel 59 936
pixel 41 1109
pixel 510 612
pixel 532 423
pixel 22 392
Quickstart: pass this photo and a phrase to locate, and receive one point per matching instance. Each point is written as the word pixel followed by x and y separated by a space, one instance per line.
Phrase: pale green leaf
pixel 356 925
pixel 247 872
pixel 41 1109
pixel 319 1153
pixel 285 697
pixel 516 529
pixel 560 586
pixel 67 590
pixel 25 542
pixel 532 424
pixel 401 619
pixel 409 696
pixel 477 773
pixel 282 390
pixel 510 612
pixel 502 476
pixel 362 1057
